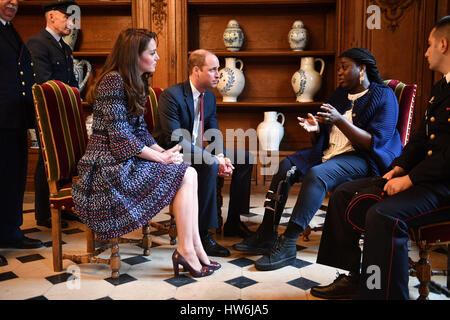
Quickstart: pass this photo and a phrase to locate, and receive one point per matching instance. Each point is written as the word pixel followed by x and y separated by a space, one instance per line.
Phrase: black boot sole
pixel 251 250
pixel 275 266
pixel 337 297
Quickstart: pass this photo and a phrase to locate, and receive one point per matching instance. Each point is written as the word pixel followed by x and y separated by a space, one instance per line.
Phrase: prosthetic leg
pixel 276 201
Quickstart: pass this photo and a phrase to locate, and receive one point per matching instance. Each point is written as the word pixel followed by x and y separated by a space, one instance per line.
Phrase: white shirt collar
pixel 447 77
pixel 195 92
pixel 53 33
pixel 3 21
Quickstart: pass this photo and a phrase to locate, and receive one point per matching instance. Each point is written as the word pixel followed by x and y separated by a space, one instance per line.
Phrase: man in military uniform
pixel 418 192
pixel 53 61
pixel 16 117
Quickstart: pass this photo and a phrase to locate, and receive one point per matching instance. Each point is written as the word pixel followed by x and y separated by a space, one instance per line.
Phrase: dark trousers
pixel 207 198
pixel 13 173
pixel 385 236
pixel 41 191
pixel 240 185
pixel 239 190
pixel 317 182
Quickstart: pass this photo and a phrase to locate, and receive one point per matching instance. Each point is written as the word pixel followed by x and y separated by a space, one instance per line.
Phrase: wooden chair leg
pixel 115 258
pixel 173 230
pixel 306 233
pixel 90 240
pixel 56 240
pixel 146 239
pixel 423 269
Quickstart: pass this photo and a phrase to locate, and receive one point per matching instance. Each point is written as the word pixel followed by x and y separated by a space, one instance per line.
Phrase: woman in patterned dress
pixel 125 177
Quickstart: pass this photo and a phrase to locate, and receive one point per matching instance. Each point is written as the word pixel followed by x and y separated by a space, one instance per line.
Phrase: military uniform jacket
pixel 16 80
pixel 51 61
pixel 426 157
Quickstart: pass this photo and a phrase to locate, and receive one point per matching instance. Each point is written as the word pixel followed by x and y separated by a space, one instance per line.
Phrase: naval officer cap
pixel 58 5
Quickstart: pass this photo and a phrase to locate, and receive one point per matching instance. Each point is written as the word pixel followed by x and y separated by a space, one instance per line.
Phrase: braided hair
pixel 364 56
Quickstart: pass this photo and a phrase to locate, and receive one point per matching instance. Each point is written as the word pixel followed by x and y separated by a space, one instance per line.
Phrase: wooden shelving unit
pixel 269 62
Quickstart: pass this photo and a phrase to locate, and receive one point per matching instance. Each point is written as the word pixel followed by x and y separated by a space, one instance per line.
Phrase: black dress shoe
pixel 212 248
pixel 24 243
pixel 48 223
pixel 3 261
pixel 283 253
pixel 344 287
pixel 258 243
pixel 237 230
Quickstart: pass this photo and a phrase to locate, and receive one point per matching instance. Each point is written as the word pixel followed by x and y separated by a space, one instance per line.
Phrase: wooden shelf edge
pixel 81 3
pixel 269 104
pixel 253 2
pixel 272 53
pixel 93 53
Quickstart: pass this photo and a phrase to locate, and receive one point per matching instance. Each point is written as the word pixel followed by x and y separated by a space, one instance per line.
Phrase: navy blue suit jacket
pixel 51 61
pixel 176 111
pixel 16 80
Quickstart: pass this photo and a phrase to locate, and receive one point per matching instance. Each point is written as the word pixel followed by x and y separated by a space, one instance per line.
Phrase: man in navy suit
pixel 53 60
pixel 187 110
pixel 16 117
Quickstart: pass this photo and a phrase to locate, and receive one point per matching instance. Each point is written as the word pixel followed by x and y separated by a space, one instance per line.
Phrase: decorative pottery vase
pixel 233 37
pixel 298 36
pixel 307 81
pixel 71 38
pixel 271 131
pixel 81 75
pixel 231 80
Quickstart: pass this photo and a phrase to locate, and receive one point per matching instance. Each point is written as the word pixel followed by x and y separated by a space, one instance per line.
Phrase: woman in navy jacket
pixel 354 135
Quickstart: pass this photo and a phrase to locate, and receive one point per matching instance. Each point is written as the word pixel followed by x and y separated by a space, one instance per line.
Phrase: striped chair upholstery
pixel 406 96
pixel 63 136
pixel 63 139
pixel 152 108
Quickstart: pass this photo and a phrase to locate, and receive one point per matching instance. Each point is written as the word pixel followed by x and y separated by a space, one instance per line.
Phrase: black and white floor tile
pixel 29 273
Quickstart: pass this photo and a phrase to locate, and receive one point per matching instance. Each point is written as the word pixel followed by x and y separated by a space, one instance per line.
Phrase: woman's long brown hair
pixel 124 59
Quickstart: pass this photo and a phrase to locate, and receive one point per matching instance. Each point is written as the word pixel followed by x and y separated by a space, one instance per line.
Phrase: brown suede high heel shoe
pixel 178 259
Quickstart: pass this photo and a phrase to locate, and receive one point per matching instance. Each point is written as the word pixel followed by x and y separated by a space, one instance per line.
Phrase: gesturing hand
pixel 329 115
pixel 310 124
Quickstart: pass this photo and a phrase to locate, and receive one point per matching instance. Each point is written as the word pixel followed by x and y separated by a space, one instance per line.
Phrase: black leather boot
pixel 283 253
pixel 343 287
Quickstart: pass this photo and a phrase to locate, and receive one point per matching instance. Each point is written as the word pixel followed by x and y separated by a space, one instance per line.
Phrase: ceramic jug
pixel 298 36
pixel 233 37
pixel 80 75
pixel 307 81
pixel 271 131
pixel 231 80
pixel 71 38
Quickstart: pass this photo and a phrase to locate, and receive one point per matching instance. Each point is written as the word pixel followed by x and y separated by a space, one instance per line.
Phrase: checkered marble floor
pixel 29 273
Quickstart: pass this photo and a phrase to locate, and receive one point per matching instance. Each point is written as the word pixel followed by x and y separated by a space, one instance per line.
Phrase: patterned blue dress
pixel 119 192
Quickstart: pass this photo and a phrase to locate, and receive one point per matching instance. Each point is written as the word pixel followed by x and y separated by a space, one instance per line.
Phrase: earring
pixel 361 77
